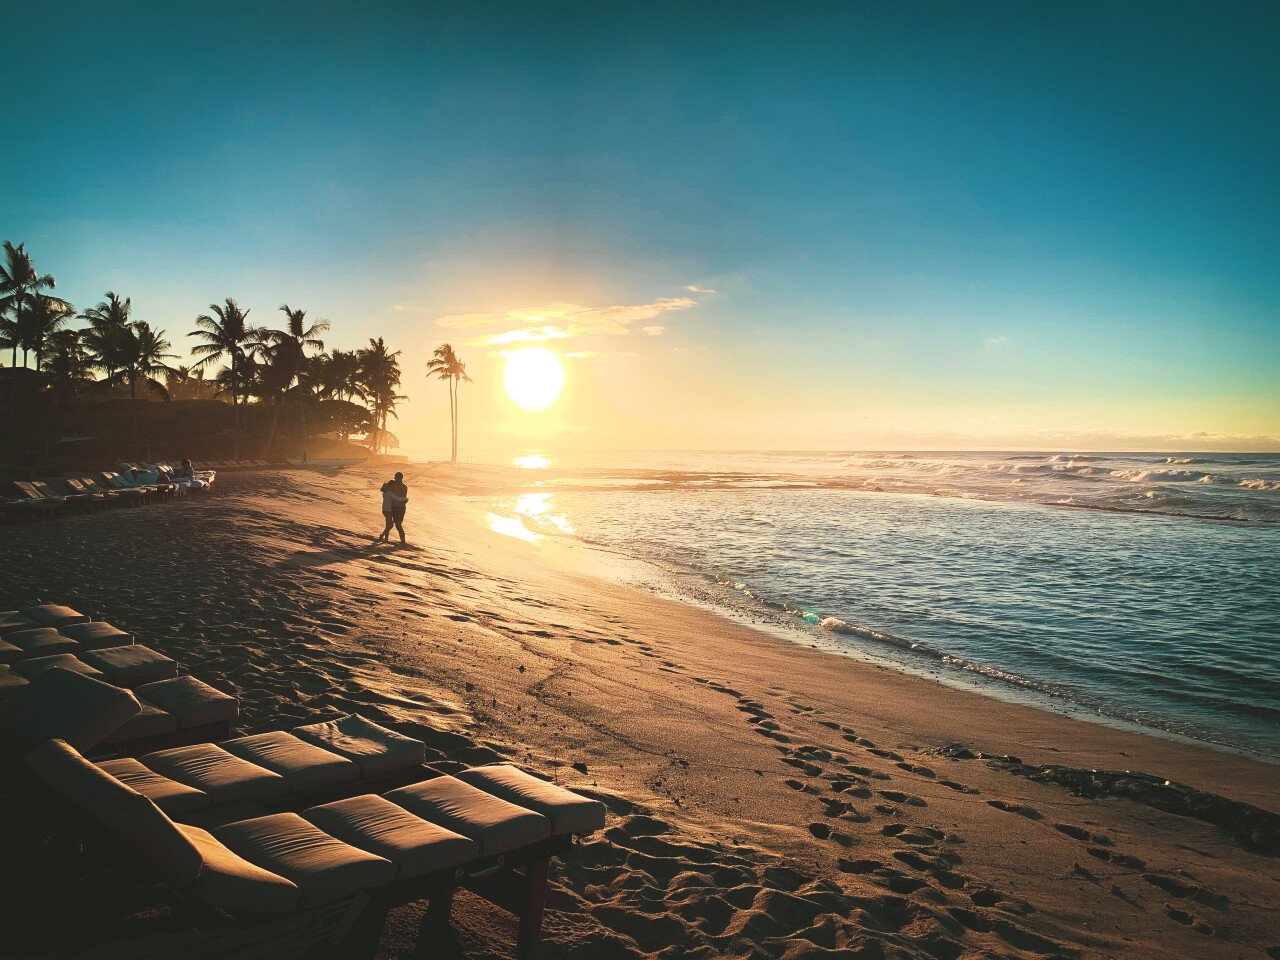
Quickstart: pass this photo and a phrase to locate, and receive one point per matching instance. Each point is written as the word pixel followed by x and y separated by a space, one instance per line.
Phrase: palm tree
pixel 43 316
pixel 108 330
pixel 445 365
pixel 142 357
pixel 286 357
pixel 379 377
pixel 19 283
pixel 225 339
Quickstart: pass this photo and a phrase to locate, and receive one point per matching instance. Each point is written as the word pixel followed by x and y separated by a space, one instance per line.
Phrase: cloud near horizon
pixel 560 321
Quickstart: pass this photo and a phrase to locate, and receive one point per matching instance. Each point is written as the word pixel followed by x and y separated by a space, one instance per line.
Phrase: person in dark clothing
pixel 395 495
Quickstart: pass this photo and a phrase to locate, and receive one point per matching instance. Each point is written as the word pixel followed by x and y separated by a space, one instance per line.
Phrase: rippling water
pixel 976 565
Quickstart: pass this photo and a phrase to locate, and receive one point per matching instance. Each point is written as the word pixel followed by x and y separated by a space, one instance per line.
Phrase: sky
pixel 741 225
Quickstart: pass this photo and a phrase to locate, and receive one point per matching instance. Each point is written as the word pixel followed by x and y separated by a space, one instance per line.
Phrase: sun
pixel 534 377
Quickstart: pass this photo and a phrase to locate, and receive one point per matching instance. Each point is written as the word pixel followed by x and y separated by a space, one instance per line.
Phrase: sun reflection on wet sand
pixel 532 461
pixel 512 527
pixel 538 507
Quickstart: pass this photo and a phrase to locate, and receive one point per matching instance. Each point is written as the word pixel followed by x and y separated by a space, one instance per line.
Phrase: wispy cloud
pixel 599 354
pixel 559 321
pixel 998 341
pixel 653 330
pixel 694 288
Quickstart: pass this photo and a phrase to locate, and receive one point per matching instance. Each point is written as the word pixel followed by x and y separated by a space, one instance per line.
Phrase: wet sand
pixel 766 799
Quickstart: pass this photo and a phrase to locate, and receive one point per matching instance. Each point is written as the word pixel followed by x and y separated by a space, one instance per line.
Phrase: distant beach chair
pixel 37 503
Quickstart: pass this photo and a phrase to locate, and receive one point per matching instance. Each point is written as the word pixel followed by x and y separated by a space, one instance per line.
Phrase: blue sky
pixel 925 224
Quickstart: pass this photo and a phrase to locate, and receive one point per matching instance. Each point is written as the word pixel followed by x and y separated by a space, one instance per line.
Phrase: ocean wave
pixel 1260 484
pixel 1146 475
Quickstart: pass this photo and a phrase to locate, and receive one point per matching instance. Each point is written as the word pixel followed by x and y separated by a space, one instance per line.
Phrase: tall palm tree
pixel 141 359
pixel 19 283
pixel 227 339
pixel 42 317
pixel 108 330
pixel 446 365
pixel 379 378
pixel 286 357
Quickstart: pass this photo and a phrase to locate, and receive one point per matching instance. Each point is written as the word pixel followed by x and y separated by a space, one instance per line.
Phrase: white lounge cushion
pixel 54 615
pixel 41 642
pixel 65 705
pixel 222 776
pixel 132 665
pixel 11 620
pixel 96 634
pixel 10 681
pixel 131 816
pixel 567 811
pixel 414 845
pixel 193 702
pixel 303 765
pixel 323 867
pixel 33 667
pixel 379 751
pixel 496 825
pixel 150 721
pixel 169 795
pixel 229 881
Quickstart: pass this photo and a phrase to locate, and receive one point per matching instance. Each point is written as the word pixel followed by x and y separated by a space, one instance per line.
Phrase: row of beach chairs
pixel 286 834
pixel 174 708
pixel 86 493
pixel 238 464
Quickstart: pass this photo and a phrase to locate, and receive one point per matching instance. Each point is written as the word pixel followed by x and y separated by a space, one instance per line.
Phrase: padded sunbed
pixel 394 848
pixel 54 615
pixel 96 634
pixel 69 704
pixel 11 620
pixel 131 665
pixel 40 642
pixel 33 667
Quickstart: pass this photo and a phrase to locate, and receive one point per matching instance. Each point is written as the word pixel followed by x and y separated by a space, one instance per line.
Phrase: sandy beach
pixel 767 800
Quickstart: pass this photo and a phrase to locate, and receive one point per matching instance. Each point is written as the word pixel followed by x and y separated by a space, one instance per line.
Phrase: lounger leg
pixel 439 907
pixel 535 899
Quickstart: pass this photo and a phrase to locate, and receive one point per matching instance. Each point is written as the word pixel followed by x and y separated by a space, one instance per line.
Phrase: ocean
pixel 1136 588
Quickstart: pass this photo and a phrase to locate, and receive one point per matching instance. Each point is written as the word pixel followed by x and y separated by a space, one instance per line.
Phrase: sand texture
pixel 766 800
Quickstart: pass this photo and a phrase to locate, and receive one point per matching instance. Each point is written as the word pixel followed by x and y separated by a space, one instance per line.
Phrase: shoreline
pixel 737 603
pixel 766 799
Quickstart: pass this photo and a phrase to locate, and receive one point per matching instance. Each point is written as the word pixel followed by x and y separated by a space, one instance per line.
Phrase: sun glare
pixel 533 377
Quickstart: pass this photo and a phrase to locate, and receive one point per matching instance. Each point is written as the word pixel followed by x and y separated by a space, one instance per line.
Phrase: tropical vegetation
pixel 270 390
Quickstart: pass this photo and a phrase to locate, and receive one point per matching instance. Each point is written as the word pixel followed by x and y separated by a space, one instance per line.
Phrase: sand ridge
pixel 767 800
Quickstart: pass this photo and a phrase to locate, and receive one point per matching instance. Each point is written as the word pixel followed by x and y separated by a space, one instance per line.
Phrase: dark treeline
pixel 94 383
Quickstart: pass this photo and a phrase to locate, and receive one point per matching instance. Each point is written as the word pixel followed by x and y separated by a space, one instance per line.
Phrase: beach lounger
pixel 198 707
pixel 96 634
pixel 283 862
pixel 74 490
pixel 132 665
pixel 39 642
pixel 33 667
pixel 54 615
pixel 38 504
pixel 9 653
pixel 78 502
pixel 11 620
pixel 150 725
pixel 61 704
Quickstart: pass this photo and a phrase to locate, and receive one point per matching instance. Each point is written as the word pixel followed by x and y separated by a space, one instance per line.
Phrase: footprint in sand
pixel 1080 833
pixel 1031 813
pixel 897 796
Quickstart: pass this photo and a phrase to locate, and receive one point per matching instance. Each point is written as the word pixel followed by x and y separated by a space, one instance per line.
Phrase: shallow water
pixel 1138 609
